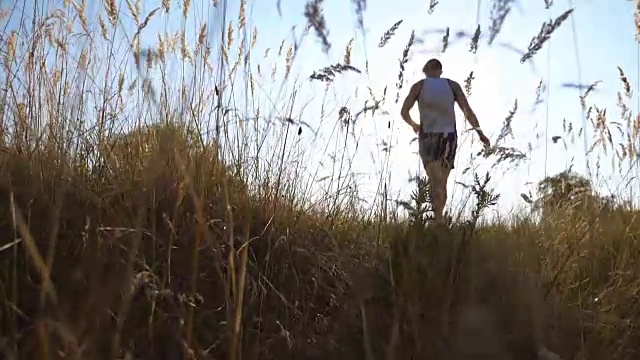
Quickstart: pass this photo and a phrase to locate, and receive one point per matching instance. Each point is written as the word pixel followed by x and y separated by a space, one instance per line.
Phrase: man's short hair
pixel 432 64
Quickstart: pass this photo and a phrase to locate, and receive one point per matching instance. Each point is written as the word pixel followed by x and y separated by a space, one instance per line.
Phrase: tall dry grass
pixel 139 223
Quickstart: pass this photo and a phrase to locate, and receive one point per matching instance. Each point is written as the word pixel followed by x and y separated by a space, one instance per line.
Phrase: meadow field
pixel 138 223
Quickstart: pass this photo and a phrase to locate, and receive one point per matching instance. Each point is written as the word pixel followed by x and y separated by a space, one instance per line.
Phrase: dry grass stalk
pixel 134 11
pixel 230 37
pixel 506 125
pixel 202 35
pixel 403 61
pixel 242 16
pixel 432 6
pixel 499 12
pixel 347 52
pixel 103 28
pixel 384 40
pixel 475 39
pixel 4 12
pixel 588 90
pixel 186 4
pixel 111 8
pixel 289 62
pixel 80 10
pixel 315 19
pixel 328 74
pixel 360 8
pixel 166 5
pixel 625 83
pixel 145 23
pixel 544 35
pixel 539 91
pixel 467 83
pixel 445 39
pixel 10 53
pixel 184 49
pixel 636 16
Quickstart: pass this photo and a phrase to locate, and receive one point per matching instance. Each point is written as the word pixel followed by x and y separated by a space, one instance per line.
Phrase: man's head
pixel 433 68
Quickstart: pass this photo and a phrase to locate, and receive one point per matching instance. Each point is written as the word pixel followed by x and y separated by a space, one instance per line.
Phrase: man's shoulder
pixel 452 82
pixel 417 86
pixel 454 85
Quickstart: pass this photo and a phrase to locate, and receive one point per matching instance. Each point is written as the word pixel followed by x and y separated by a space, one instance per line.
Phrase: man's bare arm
pixel 461 98
pixel 408 104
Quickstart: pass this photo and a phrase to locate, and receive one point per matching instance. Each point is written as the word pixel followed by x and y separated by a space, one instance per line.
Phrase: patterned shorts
pixel 438 147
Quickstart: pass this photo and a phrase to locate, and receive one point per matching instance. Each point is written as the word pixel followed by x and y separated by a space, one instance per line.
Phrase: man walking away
pixel 437 134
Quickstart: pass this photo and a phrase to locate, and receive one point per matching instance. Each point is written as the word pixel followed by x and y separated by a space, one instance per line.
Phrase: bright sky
pixel 500 78
pixel 604 39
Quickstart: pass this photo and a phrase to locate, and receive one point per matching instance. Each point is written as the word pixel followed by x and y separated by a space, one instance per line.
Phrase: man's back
pixel 436 105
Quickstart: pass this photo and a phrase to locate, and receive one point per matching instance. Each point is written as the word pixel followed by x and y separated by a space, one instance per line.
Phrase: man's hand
pixel 416 128
pixel 484 139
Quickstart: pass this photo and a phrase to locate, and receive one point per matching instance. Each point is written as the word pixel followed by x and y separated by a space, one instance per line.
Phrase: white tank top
pixel 436 103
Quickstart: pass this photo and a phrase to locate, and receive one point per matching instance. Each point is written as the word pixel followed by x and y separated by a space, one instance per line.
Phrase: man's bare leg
pixel 438 176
